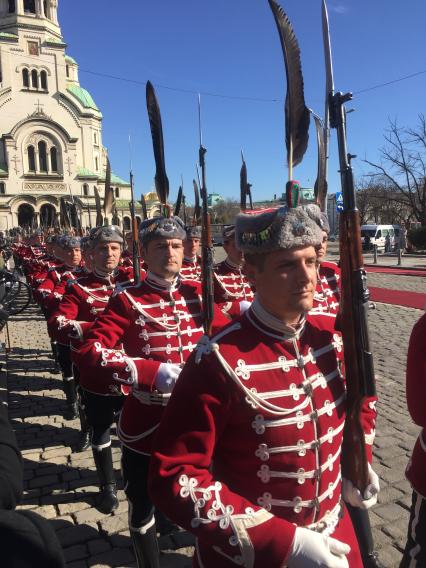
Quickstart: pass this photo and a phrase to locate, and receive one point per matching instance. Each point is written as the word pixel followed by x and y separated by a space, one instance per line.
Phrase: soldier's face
pixel 233 253
pixel 106 256
pixel 72 256
pixel 191 247
pixel 286 283
pixel 322 249
pixel 164 257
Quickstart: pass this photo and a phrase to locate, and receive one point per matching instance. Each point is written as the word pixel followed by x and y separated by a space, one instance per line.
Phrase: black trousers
pixel 101 413
pixel 415 549
pixel 135 476
pixel 64 359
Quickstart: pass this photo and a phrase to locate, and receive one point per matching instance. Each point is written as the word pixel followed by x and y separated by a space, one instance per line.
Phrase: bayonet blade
pixel 329 92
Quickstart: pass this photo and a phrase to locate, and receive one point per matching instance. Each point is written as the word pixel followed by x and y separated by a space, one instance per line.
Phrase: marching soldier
pixel 191 265
pixel 415 549
pixel 51 291
pixel 247 455
pixel 231 286
pixel 84 300
pixel 158 324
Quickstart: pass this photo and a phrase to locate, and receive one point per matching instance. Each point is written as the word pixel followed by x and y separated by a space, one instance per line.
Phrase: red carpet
pixel 398 297
pixel 398 271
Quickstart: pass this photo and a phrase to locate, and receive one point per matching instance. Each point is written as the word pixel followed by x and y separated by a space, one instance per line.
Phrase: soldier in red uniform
pixel 415 549
pixel 191 265
pixel 247 455
pixel 231 286
pixel 158 324
pixel 50 293
pixel 326 302
pixel 84 300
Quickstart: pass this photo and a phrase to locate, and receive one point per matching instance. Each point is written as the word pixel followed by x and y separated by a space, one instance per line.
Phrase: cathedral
pixel 50 126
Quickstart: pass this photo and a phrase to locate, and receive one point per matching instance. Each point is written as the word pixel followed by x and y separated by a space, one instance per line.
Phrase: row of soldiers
pixel 237 437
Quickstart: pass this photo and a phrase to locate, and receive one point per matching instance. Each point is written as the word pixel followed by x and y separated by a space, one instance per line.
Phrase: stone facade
pixel 50 127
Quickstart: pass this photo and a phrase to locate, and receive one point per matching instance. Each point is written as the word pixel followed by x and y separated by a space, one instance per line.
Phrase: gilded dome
pixel 151 196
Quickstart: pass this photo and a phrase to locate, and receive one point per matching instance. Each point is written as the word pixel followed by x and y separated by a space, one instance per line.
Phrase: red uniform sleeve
pixel 182 483
pixel 416 372
pixel 101 347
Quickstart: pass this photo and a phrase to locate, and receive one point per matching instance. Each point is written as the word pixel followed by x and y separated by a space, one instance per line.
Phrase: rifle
pixel 245 186
pixel 135 235
pixel 73 212
pixel 196 217
pixel 135 232
pixel 359 370
pixel 206 239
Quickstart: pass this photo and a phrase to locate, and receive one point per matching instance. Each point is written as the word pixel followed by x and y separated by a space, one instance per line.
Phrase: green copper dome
pixel 83 96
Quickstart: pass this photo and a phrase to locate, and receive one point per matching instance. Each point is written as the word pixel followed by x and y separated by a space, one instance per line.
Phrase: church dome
pixel 151 196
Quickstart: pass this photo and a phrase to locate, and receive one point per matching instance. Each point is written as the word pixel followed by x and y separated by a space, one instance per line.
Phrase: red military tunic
pixel 157 322
pixel 249 446
pixel 327 295
pixel 40 273
pixel 231 287
pixel 51 302
pixel 191 269
pixel 83 301
pixel 416 386
pixel 45 289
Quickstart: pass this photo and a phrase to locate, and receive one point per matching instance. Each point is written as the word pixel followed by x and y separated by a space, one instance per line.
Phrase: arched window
pixel 53 159
pixel 68 71
pixel 2 188
pixel 34 79
pixel 46 9
pixel 85 190
pixel 117 192
pixel 43 80
pixel 126 224
pixel 26 78
pixel 29 7
pixel 12 7
pixel 31 159
pixel 42 156
pixel 96 163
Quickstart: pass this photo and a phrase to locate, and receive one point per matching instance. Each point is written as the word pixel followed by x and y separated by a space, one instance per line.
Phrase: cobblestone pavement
pixel 61 485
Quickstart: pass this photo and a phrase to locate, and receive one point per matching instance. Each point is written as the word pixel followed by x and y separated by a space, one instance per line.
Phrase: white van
pixel 376 235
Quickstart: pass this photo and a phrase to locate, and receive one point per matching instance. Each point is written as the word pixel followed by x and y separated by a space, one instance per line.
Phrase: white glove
pixel 353 496
pixel 167 376
pixel 244 306
pixel 311 549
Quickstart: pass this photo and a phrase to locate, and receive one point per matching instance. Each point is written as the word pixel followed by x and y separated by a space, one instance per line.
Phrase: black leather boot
pixel 57 368
pixel 107 501
pixel 145 545
pixel 85 434
pixel 71 396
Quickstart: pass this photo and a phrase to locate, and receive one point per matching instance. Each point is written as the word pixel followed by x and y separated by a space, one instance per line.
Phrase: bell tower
pixel 37 16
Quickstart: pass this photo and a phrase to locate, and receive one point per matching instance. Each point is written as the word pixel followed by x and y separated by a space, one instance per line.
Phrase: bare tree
pixel 225 211
pixel 402 169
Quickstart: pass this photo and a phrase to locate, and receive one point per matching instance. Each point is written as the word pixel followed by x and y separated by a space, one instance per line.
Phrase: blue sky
pixel 231 48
